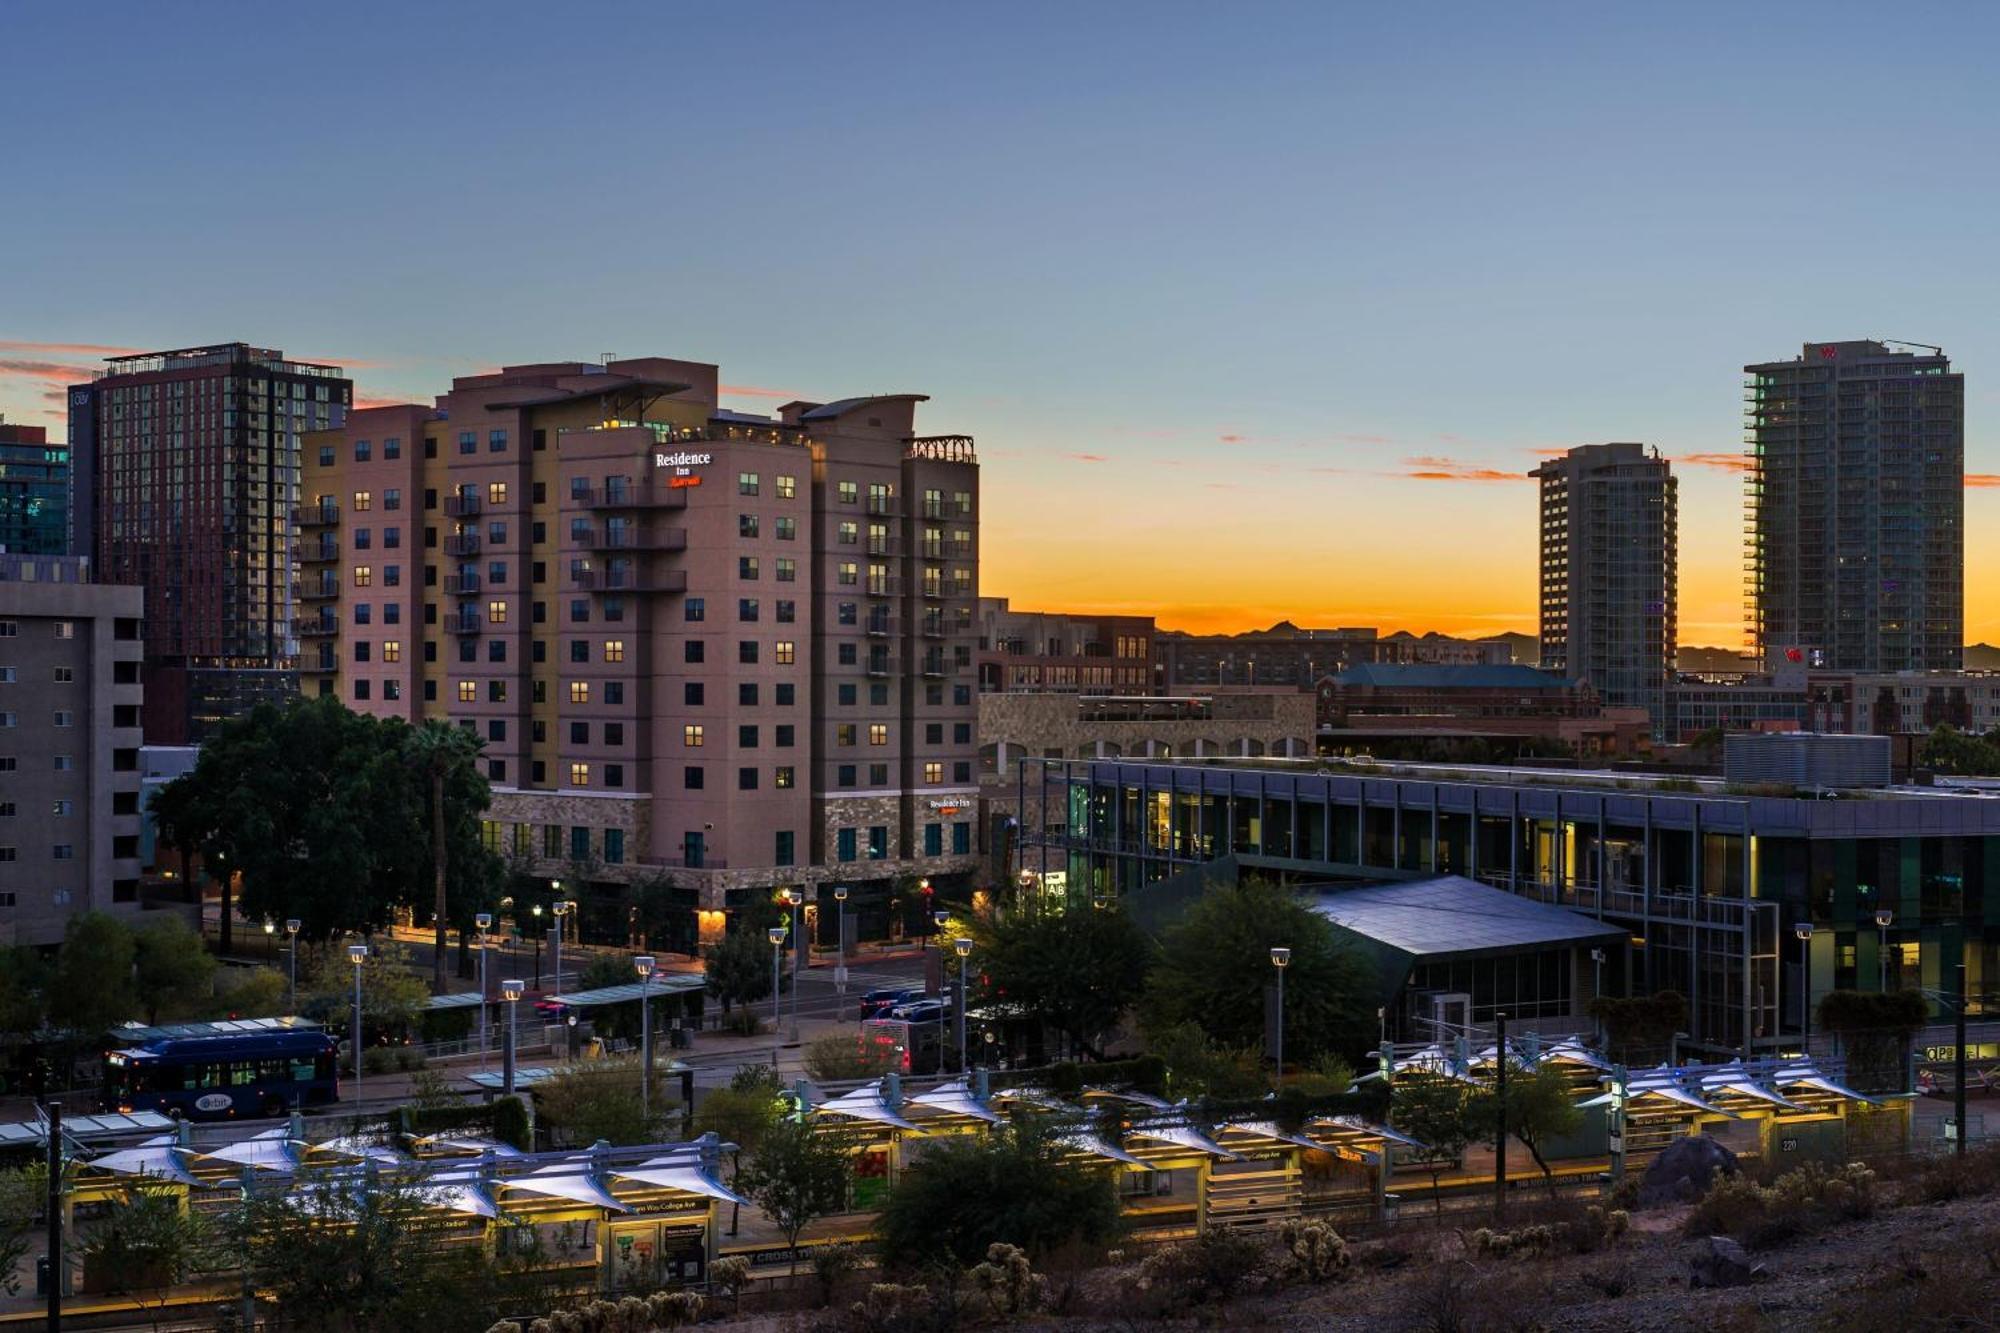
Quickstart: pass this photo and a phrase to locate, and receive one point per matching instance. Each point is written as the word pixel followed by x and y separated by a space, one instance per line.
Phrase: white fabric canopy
pixel 581 1188
pixel 687 1179
pixel 955 1099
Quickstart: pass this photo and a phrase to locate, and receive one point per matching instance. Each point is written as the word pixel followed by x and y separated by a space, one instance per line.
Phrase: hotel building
pixel 734 652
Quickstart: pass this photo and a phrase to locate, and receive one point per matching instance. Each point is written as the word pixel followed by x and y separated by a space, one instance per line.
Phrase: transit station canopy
pixel 1451 917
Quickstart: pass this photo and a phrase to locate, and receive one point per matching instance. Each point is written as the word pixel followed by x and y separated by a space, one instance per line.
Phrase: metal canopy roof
pixel 138 1034
pixel 464 999
pixel 84 1127
pixel 1452 917
pixel 672 983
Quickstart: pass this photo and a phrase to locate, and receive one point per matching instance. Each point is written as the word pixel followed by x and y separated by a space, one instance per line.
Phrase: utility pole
pixel 1958 1063
pixel 55 1217
pixel 1500 1111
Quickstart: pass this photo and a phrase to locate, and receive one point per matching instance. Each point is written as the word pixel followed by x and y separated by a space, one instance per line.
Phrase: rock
pixel 1684 1171
pixel 1720 1262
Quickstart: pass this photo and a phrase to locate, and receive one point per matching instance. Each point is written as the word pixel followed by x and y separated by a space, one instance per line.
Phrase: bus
pixel 227 1076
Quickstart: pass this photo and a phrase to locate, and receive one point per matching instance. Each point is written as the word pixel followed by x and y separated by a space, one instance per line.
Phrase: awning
pixel 663 985
pixel 264 1154
pixel 159 1162
pixel 473 1146
pixel 865 1103
pixel 83 1128
pixel 1354 1124
pixel 687 1179
pixel 955 1099
pixel 580 1188
pixel 1092 1145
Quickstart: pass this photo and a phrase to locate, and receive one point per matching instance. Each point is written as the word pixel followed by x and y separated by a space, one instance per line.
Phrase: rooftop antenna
pixel 606 358
pixel 1903 342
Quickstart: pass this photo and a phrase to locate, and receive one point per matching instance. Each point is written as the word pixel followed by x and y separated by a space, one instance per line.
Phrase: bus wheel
pixel 274 1107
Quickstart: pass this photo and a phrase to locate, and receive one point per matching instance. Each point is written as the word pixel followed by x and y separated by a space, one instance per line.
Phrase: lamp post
pixel 270 937
pixel 560 909
pixel 537 932
pixel 1597 986
pixel 1804 931
pixel 292 965
pixel 510 991
pixel 840 940
pixel 483 922
pixel 643 965
pixel 1281 959
pixel 796 900
pixel 357 954
pixel 776 934
pixel 938 918
pixel 963 948
pixel 1958 1062
pixel 1883 920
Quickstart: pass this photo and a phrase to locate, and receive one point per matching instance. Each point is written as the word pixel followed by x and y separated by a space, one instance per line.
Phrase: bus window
pixel 242 1075
pixel 303 1071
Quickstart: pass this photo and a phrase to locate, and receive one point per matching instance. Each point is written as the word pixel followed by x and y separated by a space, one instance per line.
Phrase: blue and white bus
pixel 226 1076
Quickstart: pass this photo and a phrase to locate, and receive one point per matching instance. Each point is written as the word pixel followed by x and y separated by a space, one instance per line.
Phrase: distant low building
pixel 1474 702
pixel 1062 653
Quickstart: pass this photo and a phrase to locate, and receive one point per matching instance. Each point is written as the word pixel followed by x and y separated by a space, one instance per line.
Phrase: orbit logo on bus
pixel 213 1101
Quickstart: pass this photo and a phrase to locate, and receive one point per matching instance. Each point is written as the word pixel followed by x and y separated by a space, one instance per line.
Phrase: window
pixel 65 629
pixel 746 525
pixel 361 651
pixel 788 569
pixel 846 695
pixel 848 574
pixel 782 849
pixel 785 693
pixel 364 576
pixel 746 735
pixel 496 613
pixel 933 773
pixel 844 776
pixel 961 733
pixel 746 566
pixel 579 775
pixel 849 532
pixel 614 846
pixel 579 650
pixel 362 501
pixel 788 487
pixel 785 652
pixel 614 776
pixel 878 841
pixel 878 775
pixel 60 809
pixel 468 442
pixel 933 839
pixel 65 851
pixel 579 843
pixel 848 654
pixel 693 736
pixel 496 441
pixel 746 483
pixel 579 691
pixel 496 729
pixel 695 608
pixel 843 734
pixel 934 733
pixel 782 776
pixel 847 492
pixel 787 612
pixel 496 492
pixel 614 733
pixel 846 614
pixel 787 529
pixel 746 779
pixel 614 650
pixel 961 770
pixel 579 733
pixel 392 448
pixel 468 691
pixel 961 501
pixel 746 608
pixel 362 539
pixel 961 839
pixel 692 692
pixel 843 841
pixel 746 693
pixel 784 734
pixel 691 777
pixel 694 650
pixel 746 652
pixel 878 733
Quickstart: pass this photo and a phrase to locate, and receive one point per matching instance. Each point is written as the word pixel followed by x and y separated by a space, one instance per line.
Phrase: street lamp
pixel 1804 931
pixel 537 932
pixel 292 965
pixel 270 937
pixel 510 991
pixel 1597 986
pixel 483 922
pixel 962 947
pixel 560 909
pixel 840 940
pixel 796 899
pixel 1883 919
pixel 357 954
pixel 1281 958
pixel 776 934
pixel 643 965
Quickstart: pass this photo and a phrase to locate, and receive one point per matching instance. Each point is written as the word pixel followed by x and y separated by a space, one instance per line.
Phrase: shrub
pixel 841 1055
pixel 1317 1251
pixel 1211 1267
pixel 730 1275
pixel 1953 1177
pixel 1007 1282
pixel 1801 1201
pixel 831 1263
pixel 1565 1231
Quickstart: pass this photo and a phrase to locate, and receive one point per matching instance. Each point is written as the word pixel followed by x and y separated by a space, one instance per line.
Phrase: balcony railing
pixel 462 506
pixel 637 539
pixel 463 625
pixel 461 585
pixel 462 543
pixel 315 629
pixel 318 592
pixel 310 516
pixel 627 580
pixel 647 496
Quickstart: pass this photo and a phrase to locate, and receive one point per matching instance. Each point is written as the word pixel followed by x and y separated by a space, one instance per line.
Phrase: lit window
pixel 496 613
pixel 392 651
pixel 579 691
pixel 788 487
pixel 878 733
pixel 363 500
pixel 363 576
pixel 614 650
pixel 579 775
pixel 786 652
pixel 496 492
pixel 746 483
pixel 692 736
pixel 781 777
pixel 933 773
pixel 468 691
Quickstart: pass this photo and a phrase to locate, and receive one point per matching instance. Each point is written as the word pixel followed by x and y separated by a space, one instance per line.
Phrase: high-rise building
pixel 1608 580
pixel 1856 508
pixel 34 492
pixel 186 470
pixel 731 652
pixel 69 747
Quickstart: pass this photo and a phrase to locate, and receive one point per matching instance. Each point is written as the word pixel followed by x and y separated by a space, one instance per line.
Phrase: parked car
pixel 921 1011
pixel 876 1003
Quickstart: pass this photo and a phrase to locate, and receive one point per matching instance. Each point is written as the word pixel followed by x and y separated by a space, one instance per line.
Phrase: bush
pixel 391 1059
pixel 1566 1231
pixel 1012 1186
pixel 840 1056
pixel 1950 1176
pixel 1211 1267
pixel 1317 1251
pixel 1007 1282
pixel 1803 1200
pixel 831 1263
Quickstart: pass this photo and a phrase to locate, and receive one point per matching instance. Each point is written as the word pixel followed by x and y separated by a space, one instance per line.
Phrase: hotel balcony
pixel 463 624
pixel 462 543
pixel 652 495
pixel 637 539
pixel 461 585
pixel 625 580
pixel 462 506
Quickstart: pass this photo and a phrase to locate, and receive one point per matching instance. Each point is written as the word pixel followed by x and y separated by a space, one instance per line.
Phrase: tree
pixel 91 990
pixel 842 1055
pixel 442 753
pixel 600 1100
pixel 148 1244
pixel 23 1193
pixel 797 1175
pixel 1541 1106
pixel 176 972
pixel 1874 1028
pixel 1948 750
pixel 741 1115
pixel 23 978
pixel 1640 1029
pixel 1197 1067
pixel 1077 970
pixel 1215 965
pixel 739 969
pixel 1012 1186
pixel 322 815
pixel 1446 1115
pixel 392 996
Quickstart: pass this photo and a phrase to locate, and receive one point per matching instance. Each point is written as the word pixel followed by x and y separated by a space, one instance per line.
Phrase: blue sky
pixel 1244 303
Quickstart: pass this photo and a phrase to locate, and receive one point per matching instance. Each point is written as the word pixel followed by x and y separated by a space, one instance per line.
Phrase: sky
pixel 1257 311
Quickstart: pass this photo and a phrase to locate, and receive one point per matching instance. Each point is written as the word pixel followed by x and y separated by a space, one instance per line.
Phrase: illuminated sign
pixel 682 459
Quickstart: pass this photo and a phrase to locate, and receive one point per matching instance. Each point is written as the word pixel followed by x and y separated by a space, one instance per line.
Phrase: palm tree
pixel 436 750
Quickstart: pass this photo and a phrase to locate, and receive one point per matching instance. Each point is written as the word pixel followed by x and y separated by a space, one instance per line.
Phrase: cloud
pixel 1087 458
pixel 63 370
pixel 1234 439
pixel 1980 480
pixel 1431 467
pixel 1720 462
pixel 759 391
pixel 1364 439
pixel 364 403
pixel 67 349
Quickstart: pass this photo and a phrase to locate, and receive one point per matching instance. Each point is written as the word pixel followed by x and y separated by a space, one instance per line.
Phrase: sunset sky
pixel 1257 311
